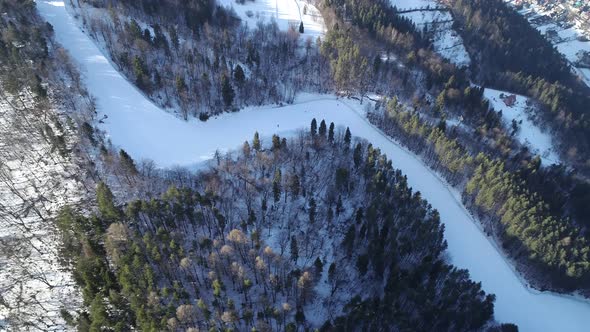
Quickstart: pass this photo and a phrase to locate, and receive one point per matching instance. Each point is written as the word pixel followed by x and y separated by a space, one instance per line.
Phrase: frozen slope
pixel 147 132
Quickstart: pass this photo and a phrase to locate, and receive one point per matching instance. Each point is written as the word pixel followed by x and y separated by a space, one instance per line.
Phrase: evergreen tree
pixel 246 149
pixel 294 249
pixel 314 127
pixel 127 162
pixel 331 132
pixel 347 137
pixel 358 155
pixel 106 205
pixel 322 130
pixel 227 91
pixel 276 143
pixel 256 142
pixel 239 75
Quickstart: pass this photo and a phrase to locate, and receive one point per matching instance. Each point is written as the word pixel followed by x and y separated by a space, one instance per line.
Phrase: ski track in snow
pixel 145 131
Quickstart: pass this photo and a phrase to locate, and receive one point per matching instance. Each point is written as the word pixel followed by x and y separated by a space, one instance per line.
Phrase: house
pixel 509 100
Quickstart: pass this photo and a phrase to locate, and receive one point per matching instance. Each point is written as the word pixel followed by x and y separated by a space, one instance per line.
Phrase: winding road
pixel 145 131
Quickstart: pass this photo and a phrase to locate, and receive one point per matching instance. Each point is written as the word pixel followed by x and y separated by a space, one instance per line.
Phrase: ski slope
pixel 145 131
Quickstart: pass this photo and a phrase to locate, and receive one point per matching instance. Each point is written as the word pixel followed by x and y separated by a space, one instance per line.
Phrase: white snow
pixel 447 42
pixel 286 13
pixel 528 133
pixel 147 132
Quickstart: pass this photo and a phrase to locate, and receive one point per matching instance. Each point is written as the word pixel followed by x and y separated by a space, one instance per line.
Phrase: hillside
pixel 269 238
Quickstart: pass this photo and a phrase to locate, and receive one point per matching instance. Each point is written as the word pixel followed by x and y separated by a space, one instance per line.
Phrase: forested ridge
pixel 554 192
pixel 514 56
pixel 557 250
pixel 268 240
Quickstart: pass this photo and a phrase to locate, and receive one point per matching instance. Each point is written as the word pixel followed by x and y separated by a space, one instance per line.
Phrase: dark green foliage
pixel 331 132
pixel 127 162
pixel 322 130
pixel 256 142
pixel 227 91
pixel 514 56
pixel 106 204
pixel 314 127
pixel 239 75
pixel 347 138
pixel 554 247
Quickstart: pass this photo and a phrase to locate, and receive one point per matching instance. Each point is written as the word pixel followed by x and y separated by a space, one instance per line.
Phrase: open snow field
pixel 447 42
pixel 286 13
pixel 145 131
pixel 529 134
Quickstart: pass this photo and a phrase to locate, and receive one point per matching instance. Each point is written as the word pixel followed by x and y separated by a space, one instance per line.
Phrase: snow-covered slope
pixel 528 133
pixel 447 42
pixel 35 182
pixel 286 13
pixel 147 132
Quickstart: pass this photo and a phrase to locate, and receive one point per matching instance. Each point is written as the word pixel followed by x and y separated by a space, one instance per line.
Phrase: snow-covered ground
pixel 529 134
pixel 447 42
pixel 145 131
pixel 35 182
pixel 286 13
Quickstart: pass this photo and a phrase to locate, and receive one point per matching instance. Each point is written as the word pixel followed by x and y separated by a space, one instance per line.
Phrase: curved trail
pixel 145 131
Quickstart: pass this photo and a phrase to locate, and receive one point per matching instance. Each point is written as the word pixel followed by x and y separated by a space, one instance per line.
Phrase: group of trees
pixel 454 149
pixel 266 234
pixel 204 66
pixel 512 55
pixel 556 249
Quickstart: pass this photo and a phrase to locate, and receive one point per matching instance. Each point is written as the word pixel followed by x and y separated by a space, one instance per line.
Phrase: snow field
pixel 286 13
pixel 529 134
pixel 447 42
pixel 145 131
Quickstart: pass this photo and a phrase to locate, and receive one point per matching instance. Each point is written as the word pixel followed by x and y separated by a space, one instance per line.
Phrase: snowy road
pixel 145 131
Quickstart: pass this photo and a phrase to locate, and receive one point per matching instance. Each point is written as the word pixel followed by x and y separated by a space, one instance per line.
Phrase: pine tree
pixel 314 127
pixel 301 28
pixel 347 138
pixel 106 205
pixel 227 92
pixel 127 162
pixel 358 155
pixel 256 142
pixel 294 249
pixel 322 130
pixel 331 132
pixel 246 149
pixel 276 143
pixel 239 75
